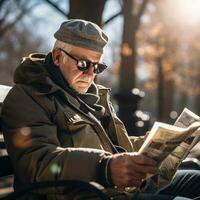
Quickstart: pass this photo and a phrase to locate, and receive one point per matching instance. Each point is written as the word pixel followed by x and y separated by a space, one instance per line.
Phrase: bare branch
pixel 140 12
pixel 2 2
pixel 120 3
pixel 19 17
pixel 115 15
pixel 112 17
pixel 6 12
pixel 142 8
pixel 8 26
pixel 57 8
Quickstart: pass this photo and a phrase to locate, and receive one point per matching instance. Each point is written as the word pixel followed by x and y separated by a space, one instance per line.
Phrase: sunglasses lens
pixel 98 68
pixel 83 65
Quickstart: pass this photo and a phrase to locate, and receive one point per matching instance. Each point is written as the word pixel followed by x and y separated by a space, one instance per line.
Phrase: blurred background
pixel 152 54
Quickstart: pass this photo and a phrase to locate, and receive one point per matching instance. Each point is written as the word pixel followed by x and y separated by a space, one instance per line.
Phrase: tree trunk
pixel 128 97
pixel 90 10
pixel 128 49
pixel 168 100
pixel 160 90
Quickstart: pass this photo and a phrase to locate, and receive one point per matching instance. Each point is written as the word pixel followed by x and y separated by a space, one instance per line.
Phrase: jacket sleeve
pixel 33 146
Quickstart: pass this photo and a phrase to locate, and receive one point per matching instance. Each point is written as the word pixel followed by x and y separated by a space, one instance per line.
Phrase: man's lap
pixel 185 186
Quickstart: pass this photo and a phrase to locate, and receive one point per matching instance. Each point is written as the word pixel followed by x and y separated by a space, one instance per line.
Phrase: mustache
pixel 84 80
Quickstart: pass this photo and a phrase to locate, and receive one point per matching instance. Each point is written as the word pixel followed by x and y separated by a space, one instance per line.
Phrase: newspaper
pixel 169 145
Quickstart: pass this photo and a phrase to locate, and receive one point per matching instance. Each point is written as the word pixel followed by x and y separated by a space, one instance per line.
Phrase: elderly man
pixel 60 125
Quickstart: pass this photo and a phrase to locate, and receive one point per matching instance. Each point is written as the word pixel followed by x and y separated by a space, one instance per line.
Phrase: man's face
pixel 78 80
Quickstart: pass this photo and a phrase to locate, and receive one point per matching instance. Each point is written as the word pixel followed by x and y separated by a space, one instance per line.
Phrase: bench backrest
pixel 5 165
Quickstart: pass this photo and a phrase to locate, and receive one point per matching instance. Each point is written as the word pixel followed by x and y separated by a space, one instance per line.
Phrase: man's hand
pixel 129 169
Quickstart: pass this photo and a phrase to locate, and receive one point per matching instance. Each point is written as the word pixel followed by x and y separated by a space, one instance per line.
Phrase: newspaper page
pixel 164 138
pixel 186 118
pixel 170 165
pixel 166 146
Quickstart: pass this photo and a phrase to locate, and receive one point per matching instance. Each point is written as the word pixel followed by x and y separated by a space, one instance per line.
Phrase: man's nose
pixel 90 71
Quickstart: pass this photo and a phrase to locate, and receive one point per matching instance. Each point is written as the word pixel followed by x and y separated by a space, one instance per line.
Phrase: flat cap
pixel 82 33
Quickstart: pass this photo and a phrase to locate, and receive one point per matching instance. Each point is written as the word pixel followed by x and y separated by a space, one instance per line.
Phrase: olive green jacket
pixel 48 136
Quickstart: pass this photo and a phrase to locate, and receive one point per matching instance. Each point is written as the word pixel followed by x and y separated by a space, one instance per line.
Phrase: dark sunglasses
pixel 84 65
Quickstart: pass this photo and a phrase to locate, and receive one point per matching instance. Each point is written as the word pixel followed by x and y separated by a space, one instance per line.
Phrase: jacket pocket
pixel 73 117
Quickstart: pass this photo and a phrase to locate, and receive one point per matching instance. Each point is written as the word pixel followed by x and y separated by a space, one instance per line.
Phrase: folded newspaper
pixel 169 145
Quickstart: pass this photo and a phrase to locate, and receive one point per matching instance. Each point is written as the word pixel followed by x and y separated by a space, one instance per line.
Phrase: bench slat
pixel 5 166
pixel 4 91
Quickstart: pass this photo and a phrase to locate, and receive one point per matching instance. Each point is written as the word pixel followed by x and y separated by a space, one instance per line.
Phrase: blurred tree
pixel 16 37
pixel 12 12
pixel 56 6
pixel 132 12
pixel 169 50
pixel 80 10
pixel 15 45
pixel 128 97
pixel 88 9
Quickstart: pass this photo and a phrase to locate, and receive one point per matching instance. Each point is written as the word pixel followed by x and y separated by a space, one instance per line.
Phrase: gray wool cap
pixel 82 33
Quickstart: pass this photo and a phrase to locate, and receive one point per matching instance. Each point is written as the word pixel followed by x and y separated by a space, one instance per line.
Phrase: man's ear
pixel 56 53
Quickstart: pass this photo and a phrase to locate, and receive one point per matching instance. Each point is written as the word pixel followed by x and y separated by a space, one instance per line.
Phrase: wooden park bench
pixel 6 172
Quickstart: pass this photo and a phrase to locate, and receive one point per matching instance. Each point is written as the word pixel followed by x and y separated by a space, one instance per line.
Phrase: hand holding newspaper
pixel 169 145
